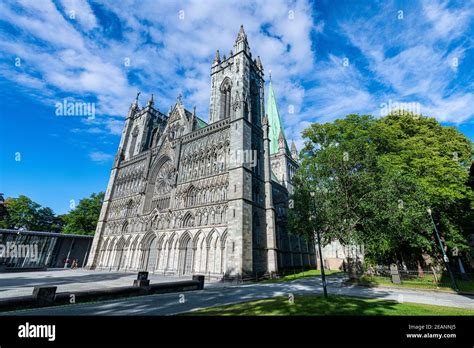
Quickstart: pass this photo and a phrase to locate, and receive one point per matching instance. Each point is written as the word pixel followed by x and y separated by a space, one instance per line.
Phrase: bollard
pixel 44 295
pixel 142 280
pixel 199 278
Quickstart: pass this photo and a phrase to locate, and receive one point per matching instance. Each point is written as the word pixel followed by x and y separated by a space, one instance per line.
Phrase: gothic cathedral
pixel 189 197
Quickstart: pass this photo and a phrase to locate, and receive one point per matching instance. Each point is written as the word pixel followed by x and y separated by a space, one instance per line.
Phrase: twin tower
pixel 189 197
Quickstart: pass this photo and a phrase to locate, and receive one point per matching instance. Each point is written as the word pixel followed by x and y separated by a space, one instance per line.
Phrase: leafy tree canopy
pixel 83 219
pixel 373 180
pixel 23 213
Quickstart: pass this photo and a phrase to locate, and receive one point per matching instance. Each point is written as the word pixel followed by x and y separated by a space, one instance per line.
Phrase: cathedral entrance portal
pixel 186 255
pixel 152 255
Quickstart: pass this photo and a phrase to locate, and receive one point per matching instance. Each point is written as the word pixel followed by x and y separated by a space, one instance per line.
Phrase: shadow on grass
pixel 333 305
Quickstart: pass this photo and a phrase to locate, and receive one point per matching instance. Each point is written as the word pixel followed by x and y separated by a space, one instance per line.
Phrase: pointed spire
pixel 241 43
pixel 259 63
pixel 150 101
pixel 133 107
pixel 281 137
pixel 294 151
pixel 217 59
pixel 281 141
pixel 276 127
pixel 135 103
pixel 241 35
pixel 179 99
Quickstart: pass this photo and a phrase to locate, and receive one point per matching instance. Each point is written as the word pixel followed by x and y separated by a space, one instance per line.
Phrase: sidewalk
pixel 16 284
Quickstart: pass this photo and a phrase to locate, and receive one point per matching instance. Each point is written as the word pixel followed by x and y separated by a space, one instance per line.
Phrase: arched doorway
pixel 152 255
pixel 186 254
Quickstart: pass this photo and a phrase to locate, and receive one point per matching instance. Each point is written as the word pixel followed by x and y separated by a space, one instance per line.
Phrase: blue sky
pixel 327 59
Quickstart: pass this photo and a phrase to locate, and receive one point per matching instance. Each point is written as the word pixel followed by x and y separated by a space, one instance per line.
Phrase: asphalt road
pixel 217 294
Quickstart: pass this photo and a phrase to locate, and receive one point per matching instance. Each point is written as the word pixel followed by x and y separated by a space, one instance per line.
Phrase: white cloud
pixel 411 60
pixel 81 11
pixel 100 157
pixel 447 23
pixel 178 58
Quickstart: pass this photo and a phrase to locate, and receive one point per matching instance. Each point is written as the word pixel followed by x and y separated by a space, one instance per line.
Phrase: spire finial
pixel 217 59
pixel 259 63
pixel 241 35
pixel 294 151
pixel 179 98
pixel 134 105
pixel 270 74
pixel 281 139
pixel 151 101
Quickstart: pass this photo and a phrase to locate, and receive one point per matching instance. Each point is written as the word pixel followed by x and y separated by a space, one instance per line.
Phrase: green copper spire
pixel 275 122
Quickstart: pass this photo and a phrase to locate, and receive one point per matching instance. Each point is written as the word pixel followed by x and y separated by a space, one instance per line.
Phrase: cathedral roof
pixel 200 123
pixel 275 123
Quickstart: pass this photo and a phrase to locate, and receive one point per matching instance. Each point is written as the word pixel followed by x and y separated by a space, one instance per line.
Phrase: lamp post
pixel 445 257
pixel 323 275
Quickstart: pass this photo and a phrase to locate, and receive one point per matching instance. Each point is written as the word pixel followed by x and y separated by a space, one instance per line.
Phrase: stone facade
pixel 187 197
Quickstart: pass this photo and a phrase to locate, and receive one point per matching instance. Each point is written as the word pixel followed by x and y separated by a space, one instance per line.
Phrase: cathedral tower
pixel 186 197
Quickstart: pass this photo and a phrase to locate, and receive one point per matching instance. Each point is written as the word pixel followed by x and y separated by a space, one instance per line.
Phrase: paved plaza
pixel 215 294
pixel 67 280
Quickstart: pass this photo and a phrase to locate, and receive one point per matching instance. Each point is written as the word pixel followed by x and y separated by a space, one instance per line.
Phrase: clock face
pixel 164 179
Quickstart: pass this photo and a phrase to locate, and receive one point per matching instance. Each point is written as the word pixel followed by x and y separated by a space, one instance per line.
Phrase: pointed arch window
pixel 226 89
pixel 153 137
pixel 129 208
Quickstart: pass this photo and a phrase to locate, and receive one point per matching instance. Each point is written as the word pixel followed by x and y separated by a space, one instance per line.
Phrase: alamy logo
pixel 399 108
pixel 13 250
pixel 242 157
pixel 78 108
pixel 37 331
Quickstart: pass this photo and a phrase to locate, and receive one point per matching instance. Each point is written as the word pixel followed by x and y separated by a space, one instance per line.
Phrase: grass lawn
pixel 305 274
pixel 427 282
pixel 334 305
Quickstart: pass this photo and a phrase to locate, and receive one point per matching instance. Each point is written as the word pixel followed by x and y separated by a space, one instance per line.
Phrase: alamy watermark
pixel 243 157
pixel 399 108
pixel 14 250
pixel 75 108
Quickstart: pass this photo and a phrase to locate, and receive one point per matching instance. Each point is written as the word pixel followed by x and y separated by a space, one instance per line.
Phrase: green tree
pixel 373 180
pixel 437 159
pixel 48 221
pixel 83 219
pixel 3 213
pixel 24 213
